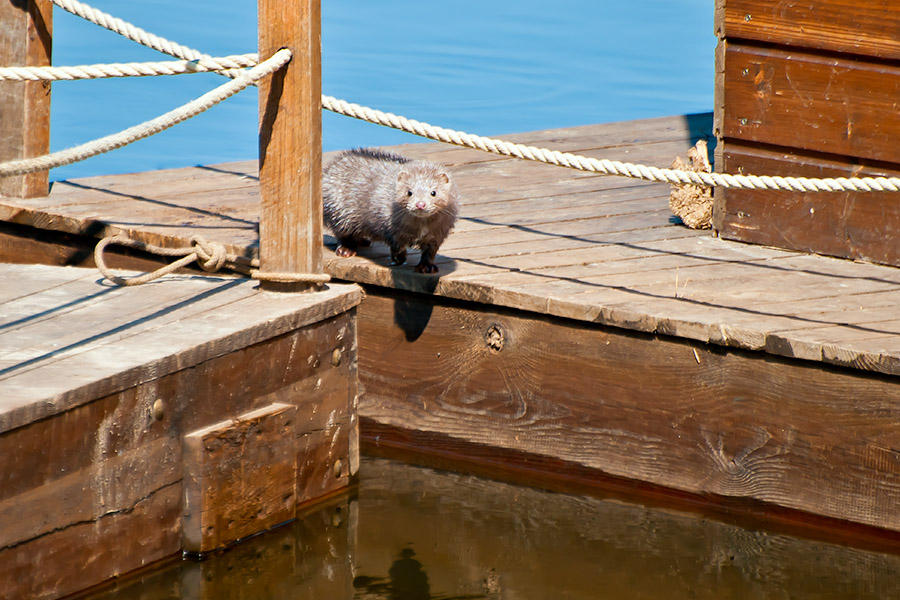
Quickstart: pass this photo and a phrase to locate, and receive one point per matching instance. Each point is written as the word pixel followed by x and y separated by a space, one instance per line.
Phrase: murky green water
pixel 412 533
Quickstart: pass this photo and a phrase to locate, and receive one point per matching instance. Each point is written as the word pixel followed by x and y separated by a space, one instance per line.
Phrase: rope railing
pixel 130 69
pixel 505 148
pixel 147 128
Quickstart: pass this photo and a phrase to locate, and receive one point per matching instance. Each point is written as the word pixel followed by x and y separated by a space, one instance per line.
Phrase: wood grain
pixel 862 226
pixel 290 141
pixel 115 468
pixel 26 39
pixel 156 333
pixel 843 106
pixel 239 477
pixel 668 412
pixel 866 27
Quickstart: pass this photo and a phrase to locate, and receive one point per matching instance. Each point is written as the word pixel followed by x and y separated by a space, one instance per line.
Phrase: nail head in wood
pixel 159 409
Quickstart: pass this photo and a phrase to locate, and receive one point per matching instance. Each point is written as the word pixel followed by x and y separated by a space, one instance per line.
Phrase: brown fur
pixel 378 196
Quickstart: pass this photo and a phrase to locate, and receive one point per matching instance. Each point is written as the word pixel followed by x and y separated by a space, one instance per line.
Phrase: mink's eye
pixel 433 193
pixel 409 192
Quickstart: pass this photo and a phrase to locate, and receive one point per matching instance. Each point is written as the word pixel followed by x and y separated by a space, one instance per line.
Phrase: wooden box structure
pixel 810 89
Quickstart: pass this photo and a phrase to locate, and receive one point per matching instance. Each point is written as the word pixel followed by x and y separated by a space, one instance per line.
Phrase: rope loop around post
pixel 209 256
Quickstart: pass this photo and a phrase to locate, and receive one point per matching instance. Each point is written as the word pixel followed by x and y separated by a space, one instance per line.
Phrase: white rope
pixel 497 146
pixel 148 128
pixel 609 167
pixel 135 34
pixel 131 69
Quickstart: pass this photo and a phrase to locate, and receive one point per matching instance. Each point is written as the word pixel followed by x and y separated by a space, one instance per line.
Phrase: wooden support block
pixel 863 226
pixel 26 38
pixel 845 106
pixel 239 477
pixel 868 27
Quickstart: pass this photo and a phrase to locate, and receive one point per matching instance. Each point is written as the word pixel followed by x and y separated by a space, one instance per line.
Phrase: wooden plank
pixel 120 542
pixel 842 106
pixel 290 142
pixel 226 318
pixel 115 468
pixel 696 419
pixel 866 27
pixel 863 226
pixel 26 39
pixel 239 477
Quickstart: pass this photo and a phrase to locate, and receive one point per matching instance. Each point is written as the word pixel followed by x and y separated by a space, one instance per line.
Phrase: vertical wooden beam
pixel 26 36
pixel 290 141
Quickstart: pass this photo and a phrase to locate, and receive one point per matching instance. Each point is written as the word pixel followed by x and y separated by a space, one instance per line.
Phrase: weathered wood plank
pixel 115 457
pixel 693 419
pixel 842 106
pixel 26 39
pixel 867 27
pixel 290 142
pixel 47 381
pixel 239 477
pixel 864 226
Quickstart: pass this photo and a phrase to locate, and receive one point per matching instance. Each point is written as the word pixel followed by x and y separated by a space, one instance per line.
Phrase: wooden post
pixel 290 142
pixel 26 36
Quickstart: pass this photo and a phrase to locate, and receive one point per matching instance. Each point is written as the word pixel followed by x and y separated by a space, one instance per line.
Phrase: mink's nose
pixel 420 204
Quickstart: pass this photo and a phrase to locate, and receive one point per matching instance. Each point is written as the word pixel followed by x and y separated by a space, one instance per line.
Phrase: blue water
pixel 486 67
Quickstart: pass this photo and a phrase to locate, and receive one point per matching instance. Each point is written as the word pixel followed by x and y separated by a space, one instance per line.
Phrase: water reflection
pixel 417 534
pixel 406 580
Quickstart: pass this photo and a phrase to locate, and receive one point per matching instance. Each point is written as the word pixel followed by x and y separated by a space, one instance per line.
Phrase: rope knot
pixel 211 256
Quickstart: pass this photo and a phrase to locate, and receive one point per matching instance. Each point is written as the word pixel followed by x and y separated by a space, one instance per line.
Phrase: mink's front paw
pixel 423 267
pixel 398 258
pixel 345 251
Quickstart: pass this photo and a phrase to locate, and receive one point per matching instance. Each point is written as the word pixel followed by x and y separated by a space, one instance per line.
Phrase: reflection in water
pixel 406 580
pixel 416 534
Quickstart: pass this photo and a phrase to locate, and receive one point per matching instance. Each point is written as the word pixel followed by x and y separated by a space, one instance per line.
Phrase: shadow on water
pixel 412 533
pixel 406 580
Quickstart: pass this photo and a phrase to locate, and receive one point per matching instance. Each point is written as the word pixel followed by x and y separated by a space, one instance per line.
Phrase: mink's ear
pixel 444 178
pixel 403 177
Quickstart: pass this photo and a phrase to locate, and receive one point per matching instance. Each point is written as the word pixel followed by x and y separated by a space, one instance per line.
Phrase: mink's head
pixel 425 189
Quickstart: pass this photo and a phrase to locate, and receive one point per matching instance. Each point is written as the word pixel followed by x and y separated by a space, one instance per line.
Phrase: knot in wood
pixel 494 338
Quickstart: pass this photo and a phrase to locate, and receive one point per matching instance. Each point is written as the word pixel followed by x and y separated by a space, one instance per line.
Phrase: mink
pixel 371 195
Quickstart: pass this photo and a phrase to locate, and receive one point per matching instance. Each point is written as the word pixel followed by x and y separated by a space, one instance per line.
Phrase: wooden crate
pixel 809 89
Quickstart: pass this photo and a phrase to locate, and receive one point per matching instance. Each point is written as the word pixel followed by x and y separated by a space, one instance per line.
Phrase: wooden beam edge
pixel 338 299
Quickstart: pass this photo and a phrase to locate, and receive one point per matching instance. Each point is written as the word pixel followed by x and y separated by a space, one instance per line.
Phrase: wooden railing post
pixel 290 141
pixel 26 37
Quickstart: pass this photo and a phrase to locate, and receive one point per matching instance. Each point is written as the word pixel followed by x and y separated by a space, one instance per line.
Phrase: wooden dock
pixel 120 408
pixel 576 329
